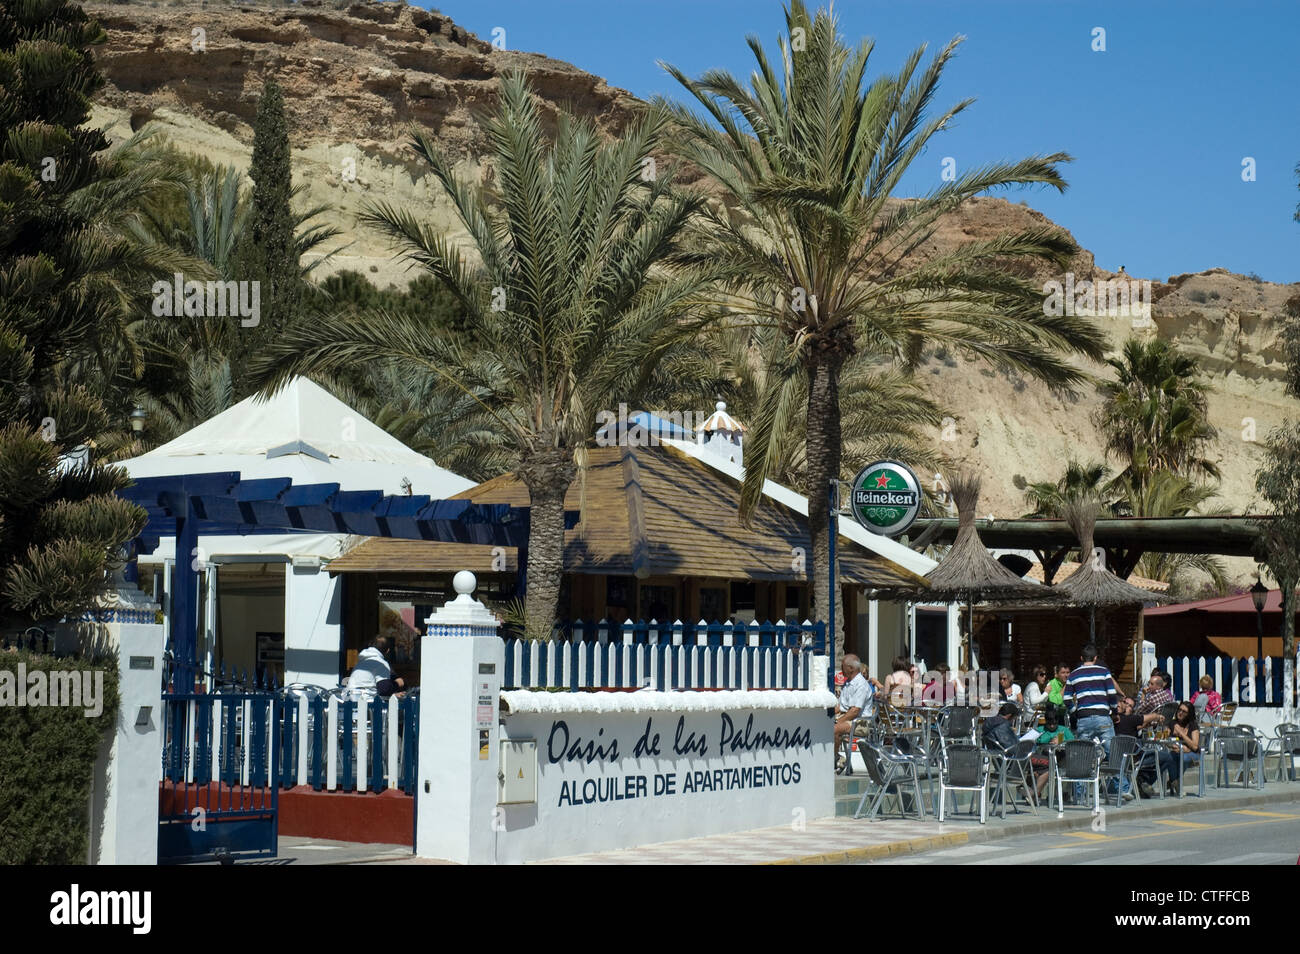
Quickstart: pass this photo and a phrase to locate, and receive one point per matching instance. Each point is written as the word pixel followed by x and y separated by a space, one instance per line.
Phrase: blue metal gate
pixel 220 775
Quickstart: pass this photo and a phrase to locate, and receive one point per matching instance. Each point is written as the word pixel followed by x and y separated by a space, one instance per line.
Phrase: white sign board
pixel 618 779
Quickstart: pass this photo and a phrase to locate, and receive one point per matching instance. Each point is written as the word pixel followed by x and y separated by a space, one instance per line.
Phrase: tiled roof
pixel 656 510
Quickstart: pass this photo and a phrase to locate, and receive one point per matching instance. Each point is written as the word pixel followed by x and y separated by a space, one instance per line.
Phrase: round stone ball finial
pixel 720 406
pixel 464 582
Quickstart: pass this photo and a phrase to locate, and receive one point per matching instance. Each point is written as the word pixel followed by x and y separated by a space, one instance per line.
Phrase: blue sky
pixel 1159 123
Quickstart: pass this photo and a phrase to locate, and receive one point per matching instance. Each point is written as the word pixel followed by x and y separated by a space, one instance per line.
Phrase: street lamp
pixel 137 419
pixel 1258 596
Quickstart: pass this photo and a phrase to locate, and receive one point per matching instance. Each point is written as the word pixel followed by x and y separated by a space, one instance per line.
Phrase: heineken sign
pixel 886 497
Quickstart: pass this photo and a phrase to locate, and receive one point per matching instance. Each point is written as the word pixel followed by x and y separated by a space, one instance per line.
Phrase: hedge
pixel 47 762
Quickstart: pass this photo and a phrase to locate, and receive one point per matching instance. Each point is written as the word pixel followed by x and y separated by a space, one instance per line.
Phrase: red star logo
pixel 882 481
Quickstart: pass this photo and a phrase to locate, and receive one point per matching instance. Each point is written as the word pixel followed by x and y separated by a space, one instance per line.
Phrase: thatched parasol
pixel 1092 584
pixel 969 573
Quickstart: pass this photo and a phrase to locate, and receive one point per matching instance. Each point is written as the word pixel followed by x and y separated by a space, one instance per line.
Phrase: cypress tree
pixel 271 249
pixel 62 280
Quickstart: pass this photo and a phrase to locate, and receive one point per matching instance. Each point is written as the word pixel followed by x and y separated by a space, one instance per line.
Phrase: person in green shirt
pixel 1042 767
pixel 1051 730
pixel 1056 694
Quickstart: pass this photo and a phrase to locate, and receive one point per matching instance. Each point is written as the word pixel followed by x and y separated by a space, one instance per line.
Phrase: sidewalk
pixel 840 840
pixel 834 840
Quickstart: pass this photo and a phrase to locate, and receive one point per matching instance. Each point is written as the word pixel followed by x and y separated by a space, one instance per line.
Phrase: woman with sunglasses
pixel 1187 737
pixel 1008 691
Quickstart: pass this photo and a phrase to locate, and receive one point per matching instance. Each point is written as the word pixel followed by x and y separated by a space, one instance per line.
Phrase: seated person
pixel 1129 722
pixel 1206 700
pixel 1000 730
pixel 898 684
pixel 1041 763
pixel 1188 737
pixel 1155 694
pixel 1008 688
pixel 857 700
pixel 941 689
pixel 1051 730
pixel 373 673
pixel 1036 691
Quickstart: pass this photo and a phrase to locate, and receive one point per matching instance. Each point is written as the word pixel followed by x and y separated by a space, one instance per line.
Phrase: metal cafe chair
pixel 1012 770
pixel 863 727
pixel 1226 714
pixel 1149 752
pixel 1122 763
pixel 888 772
pixel 1079 762
pixel 1240 745
pixel 897 723
pixel 1286 743
pixel 958 724
pixel 964 767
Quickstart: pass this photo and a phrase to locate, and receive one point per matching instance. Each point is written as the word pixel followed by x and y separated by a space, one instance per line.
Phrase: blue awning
pixel 222 503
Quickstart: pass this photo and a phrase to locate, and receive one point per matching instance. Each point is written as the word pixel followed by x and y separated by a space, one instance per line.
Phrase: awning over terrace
pixel 185 506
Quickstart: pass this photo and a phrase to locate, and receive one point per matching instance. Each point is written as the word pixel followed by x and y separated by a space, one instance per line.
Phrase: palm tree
pixel 885 411
pixel 573 288
pixel 810 157
pixel 1166 494
pixel 449 423
pixel 1163 495
pixel 1080 484
pixel 1154 414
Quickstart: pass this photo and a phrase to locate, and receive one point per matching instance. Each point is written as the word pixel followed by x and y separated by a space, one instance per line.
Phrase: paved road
pixel 1266 836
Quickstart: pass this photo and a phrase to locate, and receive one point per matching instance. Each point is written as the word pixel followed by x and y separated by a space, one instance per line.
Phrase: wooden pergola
pixel 1125 539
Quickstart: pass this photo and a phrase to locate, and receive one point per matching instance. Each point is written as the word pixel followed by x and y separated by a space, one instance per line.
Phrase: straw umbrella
pixel 969 573
pixel 1092 584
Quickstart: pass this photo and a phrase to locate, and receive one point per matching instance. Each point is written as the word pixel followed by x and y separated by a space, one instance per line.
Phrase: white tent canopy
pixel 305 433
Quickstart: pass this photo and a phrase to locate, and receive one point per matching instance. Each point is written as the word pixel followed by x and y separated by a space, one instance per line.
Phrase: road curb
pixel 875 852
pixel 1075 819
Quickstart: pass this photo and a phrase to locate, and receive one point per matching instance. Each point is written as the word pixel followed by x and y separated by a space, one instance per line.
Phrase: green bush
pixel 47 761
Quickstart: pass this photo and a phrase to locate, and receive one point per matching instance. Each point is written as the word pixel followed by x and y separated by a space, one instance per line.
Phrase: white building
pixel 266 600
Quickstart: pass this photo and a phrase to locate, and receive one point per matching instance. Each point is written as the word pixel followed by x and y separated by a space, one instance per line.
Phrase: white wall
pixel 312 626
pixel 888 633
pixel 714 785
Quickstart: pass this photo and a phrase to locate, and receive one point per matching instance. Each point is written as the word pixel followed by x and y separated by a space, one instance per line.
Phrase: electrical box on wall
pixel 517 780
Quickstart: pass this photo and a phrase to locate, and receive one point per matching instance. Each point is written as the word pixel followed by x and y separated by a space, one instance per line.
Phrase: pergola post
pixel 185 596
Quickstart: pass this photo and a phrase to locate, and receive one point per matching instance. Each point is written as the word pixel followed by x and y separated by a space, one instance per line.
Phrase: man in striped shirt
pixel 1090 695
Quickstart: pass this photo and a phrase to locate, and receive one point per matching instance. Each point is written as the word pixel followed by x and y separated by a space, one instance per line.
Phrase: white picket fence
pixel 343 756
pixel 667 656
pixel 1236 680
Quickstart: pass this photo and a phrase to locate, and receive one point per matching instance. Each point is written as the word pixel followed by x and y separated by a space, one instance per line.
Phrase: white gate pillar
pixel 124 792
pixel 461 663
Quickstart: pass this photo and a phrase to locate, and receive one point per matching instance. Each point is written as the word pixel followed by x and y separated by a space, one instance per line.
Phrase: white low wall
pixel 616 770
pixel 1264 718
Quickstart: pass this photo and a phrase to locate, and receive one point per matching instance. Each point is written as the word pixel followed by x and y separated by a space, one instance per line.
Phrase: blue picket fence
pixel 330 741
pixel 667 656
pixel 1234 679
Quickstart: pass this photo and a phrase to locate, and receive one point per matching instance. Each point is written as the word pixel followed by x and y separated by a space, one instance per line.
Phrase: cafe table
pixel 926 714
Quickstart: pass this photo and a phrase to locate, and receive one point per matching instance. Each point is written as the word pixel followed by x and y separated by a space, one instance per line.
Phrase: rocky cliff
pixel 358 78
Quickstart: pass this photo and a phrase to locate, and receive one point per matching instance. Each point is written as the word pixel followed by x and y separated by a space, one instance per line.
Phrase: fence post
pixel 461 663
